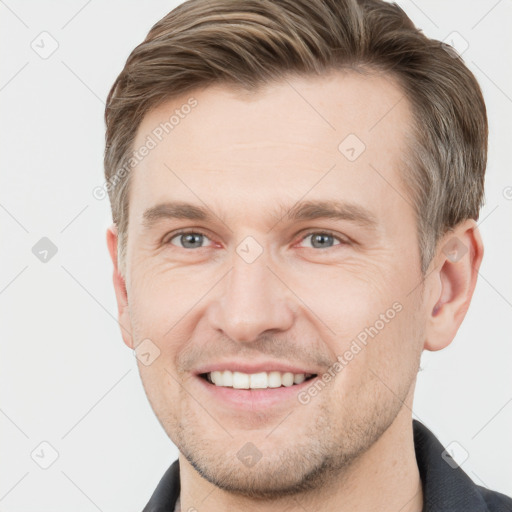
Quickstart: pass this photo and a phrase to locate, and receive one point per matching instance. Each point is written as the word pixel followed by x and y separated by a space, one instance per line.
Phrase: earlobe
pixel 458 259
pixel 120 288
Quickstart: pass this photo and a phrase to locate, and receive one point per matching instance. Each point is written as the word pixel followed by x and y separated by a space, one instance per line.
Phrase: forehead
pixel 342 134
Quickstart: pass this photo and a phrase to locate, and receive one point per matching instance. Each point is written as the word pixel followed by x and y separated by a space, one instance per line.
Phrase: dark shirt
pixel 446 487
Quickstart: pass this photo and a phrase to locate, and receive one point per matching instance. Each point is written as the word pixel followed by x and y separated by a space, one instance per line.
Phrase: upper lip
pixel 263 366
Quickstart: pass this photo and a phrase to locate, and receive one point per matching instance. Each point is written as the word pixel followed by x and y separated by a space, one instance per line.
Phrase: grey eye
pixel 189 240
pixel 321 240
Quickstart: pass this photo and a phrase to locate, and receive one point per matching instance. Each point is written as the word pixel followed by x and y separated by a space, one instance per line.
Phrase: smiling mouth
pixel 261 380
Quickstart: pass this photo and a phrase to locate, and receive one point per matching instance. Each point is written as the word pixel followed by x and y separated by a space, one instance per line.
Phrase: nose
pixel 251 301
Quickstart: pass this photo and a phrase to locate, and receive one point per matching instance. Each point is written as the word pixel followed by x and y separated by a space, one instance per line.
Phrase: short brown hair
pixel 248 43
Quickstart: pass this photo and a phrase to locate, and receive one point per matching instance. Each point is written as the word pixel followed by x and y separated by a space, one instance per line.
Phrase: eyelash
pixel 343 241
pixel 303 237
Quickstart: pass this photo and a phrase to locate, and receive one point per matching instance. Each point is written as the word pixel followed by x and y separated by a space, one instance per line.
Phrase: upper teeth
pixel 239 380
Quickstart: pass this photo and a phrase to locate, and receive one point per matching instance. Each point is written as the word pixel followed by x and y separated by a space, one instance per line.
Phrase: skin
pixel 351 447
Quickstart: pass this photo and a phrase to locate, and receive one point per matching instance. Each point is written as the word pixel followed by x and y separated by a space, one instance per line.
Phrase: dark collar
pixel 446 487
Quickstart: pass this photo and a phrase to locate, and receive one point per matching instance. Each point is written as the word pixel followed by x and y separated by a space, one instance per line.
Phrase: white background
pixel 66 376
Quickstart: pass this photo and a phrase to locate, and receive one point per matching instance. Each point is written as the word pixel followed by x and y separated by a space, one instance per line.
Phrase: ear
pixel 454 275
pixel 120 288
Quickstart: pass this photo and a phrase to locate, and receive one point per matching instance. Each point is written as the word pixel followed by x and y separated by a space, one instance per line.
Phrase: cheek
pixel 380 341
pixel 163 394
pixel 162 298
pixel 158 336
pixel 393 354
pixel 346 303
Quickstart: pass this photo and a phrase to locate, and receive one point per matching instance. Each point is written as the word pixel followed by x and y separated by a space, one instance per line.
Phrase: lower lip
pixel 254 399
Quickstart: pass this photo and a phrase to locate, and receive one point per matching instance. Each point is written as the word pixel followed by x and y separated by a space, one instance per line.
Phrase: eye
pixel 195 239
pixel 323 239
pixel 189 239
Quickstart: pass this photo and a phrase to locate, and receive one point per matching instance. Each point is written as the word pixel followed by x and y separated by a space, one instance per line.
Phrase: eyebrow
pixel 304 210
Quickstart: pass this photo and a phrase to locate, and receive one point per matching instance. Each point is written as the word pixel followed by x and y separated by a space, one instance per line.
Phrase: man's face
pixel 259 286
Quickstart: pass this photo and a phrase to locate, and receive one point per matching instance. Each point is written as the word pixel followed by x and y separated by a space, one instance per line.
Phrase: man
pixel 295 187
